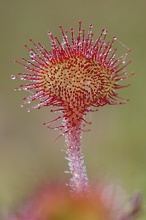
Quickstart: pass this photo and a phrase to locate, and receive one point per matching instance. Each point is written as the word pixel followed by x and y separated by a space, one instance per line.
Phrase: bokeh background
pixel 115 149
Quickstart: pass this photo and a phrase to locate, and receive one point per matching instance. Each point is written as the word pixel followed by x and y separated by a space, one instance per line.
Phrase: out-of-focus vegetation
pixel 115 149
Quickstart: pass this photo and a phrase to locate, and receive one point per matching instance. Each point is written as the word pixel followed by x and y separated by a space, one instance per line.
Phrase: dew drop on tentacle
pixel 28 110
pixel 13 77
pixel 32 55
pixel 104 31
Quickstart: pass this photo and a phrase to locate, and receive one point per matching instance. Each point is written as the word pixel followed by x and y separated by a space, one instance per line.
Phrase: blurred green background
pixel 115 149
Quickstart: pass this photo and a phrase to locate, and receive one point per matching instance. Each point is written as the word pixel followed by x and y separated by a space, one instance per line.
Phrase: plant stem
pixel 79 179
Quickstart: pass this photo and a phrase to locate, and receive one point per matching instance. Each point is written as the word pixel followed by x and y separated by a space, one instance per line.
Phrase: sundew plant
pixel 77 76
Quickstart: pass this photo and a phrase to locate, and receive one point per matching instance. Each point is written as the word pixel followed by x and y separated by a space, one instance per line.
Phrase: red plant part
pixel 75 77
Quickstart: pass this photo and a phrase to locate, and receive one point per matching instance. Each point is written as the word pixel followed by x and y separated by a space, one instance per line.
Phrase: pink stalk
pixel 79 179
